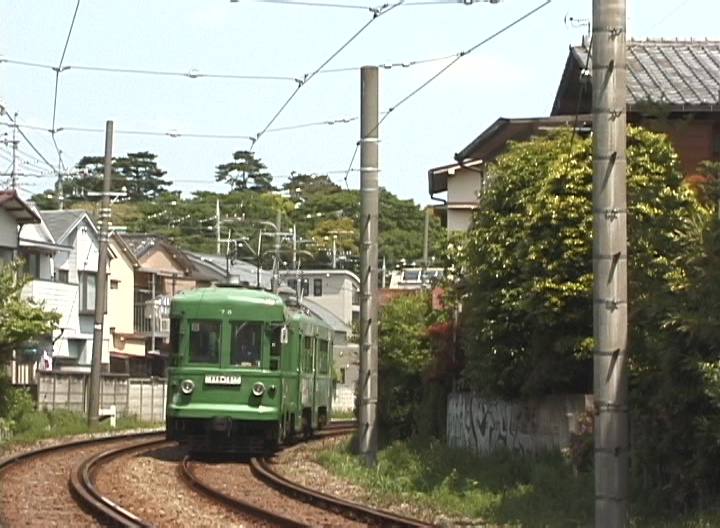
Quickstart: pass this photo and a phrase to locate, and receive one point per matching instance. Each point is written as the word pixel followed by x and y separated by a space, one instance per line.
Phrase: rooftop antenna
pixel 575 23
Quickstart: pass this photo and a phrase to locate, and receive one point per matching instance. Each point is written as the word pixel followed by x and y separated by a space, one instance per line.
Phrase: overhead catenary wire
pixel 459 56
pixel 14 123
pixel 386 8
pixel 57 82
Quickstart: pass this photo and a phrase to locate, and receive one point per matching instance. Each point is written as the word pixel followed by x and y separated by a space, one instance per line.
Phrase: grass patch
pixel 39 425
pixel 342 415
pixel 499 489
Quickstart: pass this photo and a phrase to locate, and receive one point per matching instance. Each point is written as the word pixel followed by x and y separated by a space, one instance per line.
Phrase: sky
pixel 515 74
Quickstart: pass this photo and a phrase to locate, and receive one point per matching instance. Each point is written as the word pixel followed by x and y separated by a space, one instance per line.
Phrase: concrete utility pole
pixel 426 240
pixel 276 263
pixel 101 284
pixel 369 196
pixel 13 174
pixel 610 299
pixel 217 226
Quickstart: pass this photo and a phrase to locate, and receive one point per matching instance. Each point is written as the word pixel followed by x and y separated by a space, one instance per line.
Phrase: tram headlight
pixel 258 389
pixel 187 386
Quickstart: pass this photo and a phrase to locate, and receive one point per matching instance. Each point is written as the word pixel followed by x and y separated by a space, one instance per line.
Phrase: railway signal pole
pixel 101 284
pixel 369 196
pixel 610 299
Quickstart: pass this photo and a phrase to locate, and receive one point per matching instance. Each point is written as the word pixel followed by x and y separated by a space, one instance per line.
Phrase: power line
pixel 177 134
pixel 664 18
pixel 57 82
pixel 444 69
pixel 19 129
pixel 376 14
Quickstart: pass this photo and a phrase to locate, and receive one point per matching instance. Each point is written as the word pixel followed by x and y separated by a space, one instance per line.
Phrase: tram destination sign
pixel 222 380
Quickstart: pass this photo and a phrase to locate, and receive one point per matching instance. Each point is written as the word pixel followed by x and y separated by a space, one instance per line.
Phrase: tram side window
pixel 276 347
pixel 204 342
pixel 307 354
pixel 174 342
pixel 323 357
pixel 247 342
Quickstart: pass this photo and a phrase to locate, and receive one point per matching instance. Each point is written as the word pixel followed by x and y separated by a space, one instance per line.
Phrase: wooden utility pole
pixel 610 299
pixel 101 284
pixel 369 236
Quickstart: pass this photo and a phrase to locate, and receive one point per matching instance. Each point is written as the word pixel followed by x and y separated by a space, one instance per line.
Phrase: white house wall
pixel 8 230
pixel 86 247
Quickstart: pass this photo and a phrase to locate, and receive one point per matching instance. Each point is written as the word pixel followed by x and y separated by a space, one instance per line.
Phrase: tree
pixel 142 176
pixel 299 185
pixel 138 173
pixel 245 172
pixel 405 351
pixel 21 320
pixel 529 272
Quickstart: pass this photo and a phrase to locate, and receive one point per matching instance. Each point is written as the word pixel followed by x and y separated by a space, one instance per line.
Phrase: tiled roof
pixel 60 223
pixel 139 243
pixel 675 72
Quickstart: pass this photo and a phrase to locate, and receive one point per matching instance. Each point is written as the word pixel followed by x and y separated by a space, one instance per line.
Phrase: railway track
pixel 260 468
pixel 83 489
pixel 58 450
pixel 82 484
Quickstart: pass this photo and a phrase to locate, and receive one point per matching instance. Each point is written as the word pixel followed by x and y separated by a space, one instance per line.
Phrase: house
pixel 14 213
pixel 72 292
pixel 127 352
pixel 673 86
pixel 161 269
pixel 336 290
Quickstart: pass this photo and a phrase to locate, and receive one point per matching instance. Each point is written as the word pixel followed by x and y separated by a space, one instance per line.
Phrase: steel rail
pixel 233 503
pixel 82 485
pixel 352 510
pixel 260 467
pixel 11 460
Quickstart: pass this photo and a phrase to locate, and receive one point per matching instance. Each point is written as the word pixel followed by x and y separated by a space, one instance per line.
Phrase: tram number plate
pixel 222 380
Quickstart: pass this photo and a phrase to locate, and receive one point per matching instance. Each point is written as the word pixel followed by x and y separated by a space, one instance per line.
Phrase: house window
pixel 87 292
pixel 62 276
pixel 76 348
pixel 317 287
pixel 31 266
pixel 305 287
pixel 356 297
pixel 6 254
pixel 292 283
pixel 114 284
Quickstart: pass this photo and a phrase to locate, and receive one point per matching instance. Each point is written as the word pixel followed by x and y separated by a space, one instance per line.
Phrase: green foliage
pixel 529 270
pixel 245 173
pixel 21 320
pixel 500 489
pixel 137 172
pixel 405 352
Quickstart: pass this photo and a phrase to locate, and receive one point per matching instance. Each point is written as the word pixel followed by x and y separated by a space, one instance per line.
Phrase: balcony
pixel 152 316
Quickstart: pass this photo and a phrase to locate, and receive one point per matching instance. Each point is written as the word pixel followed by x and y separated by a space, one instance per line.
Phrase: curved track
pixel 260 468
pixel 80 480
pixel 82 485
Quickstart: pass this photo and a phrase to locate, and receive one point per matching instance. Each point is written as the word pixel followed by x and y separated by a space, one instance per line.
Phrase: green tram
pixel 248 370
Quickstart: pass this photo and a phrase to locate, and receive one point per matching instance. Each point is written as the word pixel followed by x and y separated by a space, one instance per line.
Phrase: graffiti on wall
pixel 485 426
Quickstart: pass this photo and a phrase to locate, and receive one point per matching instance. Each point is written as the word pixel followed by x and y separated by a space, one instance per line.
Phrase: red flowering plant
pixel 581 450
